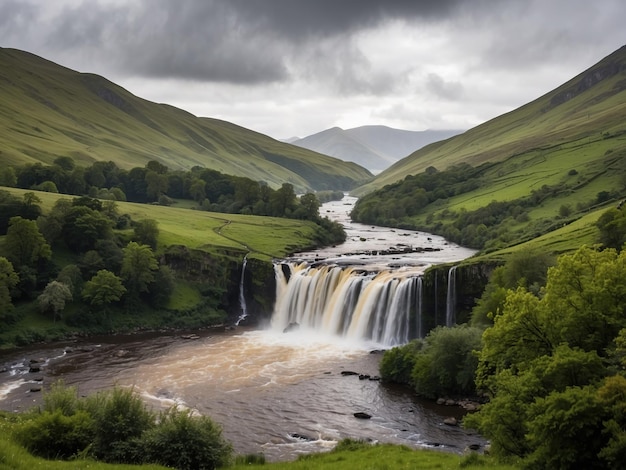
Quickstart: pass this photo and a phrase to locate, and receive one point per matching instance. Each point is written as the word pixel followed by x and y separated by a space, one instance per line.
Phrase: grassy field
pixel 264 237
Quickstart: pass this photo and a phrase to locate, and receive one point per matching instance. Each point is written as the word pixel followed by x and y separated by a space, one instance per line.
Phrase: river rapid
pixel 280 394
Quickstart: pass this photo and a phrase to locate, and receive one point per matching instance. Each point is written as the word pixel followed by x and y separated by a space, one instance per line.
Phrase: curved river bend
pixel 280 394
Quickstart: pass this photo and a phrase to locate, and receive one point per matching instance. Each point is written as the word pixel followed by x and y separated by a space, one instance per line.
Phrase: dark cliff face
pixel 613 65
pixel 218 275
pixel 470 282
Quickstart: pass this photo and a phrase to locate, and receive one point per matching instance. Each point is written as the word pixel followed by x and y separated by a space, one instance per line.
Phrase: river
pixel 280 394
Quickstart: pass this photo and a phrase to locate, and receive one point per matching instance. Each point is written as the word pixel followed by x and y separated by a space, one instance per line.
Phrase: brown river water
pixel 280 394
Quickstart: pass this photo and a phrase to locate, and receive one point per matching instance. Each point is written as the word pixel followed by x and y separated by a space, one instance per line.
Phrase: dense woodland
pixel 546 346
pixel 492 225
pixel 85 254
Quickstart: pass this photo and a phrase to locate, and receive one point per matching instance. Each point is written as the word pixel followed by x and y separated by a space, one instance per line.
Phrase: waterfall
pixel 379 307
pixel 451 298
pixel 420 302
pixel 242 297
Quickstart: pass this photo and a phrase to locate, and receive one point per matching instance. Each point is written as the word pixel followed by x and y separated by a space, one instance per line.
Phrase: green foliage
pixel 549 363
pixel 397 363
pixel 525 268
pixel 446 365
pixel 24 244
pixel 612 226
pixel 116 426
pixel 138 267
pixel 443 364
pixel 147 232
pixel 104 288
pixel 55 435
pixel 54 297
pixel 120 418
pixel 184 441
pixel 8 280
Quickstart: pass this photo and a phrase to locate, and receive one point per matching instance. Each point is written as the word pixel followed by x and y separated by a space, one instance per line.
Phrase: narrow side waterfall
pixel 380 307
pixel 420 306
pixel 242 296
pixel 451 298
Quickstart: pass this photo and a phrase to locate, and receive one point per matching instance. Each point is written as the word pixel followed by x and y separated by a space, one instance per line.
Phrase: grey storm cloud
pixel 292 67
pixel 236 41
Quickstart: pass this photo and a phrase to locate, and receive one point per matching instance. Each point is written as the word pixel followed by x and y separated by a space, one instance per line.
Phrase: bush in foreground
pixel 116 426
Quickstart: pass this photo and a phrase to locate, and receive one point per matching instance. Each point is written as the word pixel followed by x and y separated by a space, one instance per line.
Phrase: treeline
pixel 115 261
pixel 547 345
pixel 491 226
pixel 156 183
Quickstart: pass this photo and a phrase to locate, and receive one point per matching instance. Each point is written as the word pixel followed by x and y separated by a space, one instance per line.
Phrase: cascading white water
pixel 381 307
pixel 420 303
pixel 451 298
pixel 242 296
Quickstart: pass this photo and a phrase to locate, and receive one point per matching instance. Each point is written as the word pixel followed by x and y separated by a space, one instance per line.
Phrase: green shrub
pixel 397 363
pixel 120 418
pixel 184 441
pixel 447 364
pixel 55 435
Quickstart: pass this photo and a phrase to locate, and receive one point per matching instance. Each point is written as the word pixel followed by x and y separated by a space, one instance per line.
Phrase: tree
pixel 612 227
pixel 54 297
pixel 197 189
pixel 24 243
pixel 71 276
pixel 8 280
pixel 83 227
pixel 147 232
pixel 138 267
pixel 283 201
pixel 64 162
pixel 544 363
pixel 8 177
pixel 156 184
pixel 446 364
pixel 104 288
pixel 311 205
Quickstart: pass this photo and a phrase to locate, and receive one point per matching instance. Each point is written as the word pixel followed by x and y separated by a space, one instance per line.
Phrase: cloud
pixel 288 67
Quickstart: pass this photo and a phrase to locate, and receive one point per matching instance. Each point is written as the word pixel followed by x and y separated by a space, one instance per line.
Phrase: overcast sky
pixel 295 67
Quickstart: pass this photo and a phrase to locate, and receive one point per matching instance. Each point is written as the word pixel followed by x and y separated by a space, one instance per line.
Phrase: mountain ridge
pixel 48 110
pixel 375 147
pixel 560 115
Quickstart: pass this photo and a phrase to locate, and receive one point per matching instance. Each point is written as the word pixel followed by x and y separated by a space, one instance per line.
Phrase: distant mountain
pixel 47 111
pixel 374 147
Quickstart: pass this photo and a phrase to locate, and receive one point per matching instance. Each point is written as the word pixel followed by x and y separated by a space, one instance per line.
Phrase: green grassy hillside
pixel 577 125
pixel 520 176
pixel 47 111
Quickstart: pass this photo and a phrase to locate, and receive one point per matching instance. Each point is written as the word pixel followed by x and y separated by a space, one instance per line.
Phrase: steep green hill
pixel 47 111
pixel 584 119
pixel 518 176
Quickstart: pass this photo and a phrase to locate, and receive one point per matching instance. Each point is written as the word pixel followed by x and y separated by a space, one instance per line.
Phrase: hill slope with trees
pixel 48 111
pixel 519 176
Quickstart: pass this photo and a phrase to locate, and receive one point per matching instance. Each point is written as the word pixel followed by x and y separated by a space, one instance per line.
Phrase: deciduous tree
pixel 104 288
pixel 138 267
pixel 54 297
pixel 24 244
pixel 8 280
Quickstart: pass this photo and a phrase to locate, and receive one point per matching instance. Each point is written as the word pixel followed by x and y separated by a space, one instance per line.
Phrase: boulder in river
pixel 362 415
